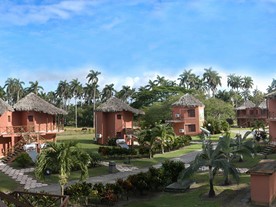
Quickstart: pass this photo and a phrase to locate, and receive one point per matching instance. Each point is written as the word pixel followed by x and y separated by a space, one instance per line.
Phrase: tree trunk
pixel 211 178
pixel 76 113
pixel 61 189
pixel 162 149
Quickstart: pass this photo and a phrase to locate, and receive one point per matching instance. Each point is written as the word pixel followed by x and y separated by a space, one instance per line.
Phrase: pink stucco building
pixel 187 116
pixel 32 119
pixel 114 119
pixel 271 105
pixel 248 113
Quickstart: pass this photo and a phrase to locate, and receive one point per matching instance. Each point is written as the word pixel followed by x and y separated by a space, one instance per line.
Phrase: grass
pixel 196 196
pixel 7 183
pixel 159 158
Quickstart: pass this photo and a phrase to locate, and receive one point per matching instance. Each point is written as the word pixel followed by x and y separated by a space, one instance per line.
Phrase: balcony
pixel 19 130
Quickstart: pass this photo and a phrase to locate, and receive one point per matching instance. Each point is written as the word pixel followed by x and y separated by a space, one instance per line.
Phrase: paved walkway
pixel 21 177
pixel 33 185
pixel 112 177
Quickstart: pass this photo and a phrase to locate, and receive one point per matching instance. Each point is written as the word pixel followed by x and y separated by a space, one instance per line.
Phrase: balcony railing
pixel 272 115
pixel 29 199
pixel 31 128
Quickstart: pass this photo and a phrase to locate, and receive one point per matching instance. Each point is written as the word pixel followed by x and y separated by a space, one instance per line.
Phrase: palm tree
pixel 233 148
pixel 272 86
pixel 247 84
pixel 107 92
pixel 93 80
pixel 214 159
pixel 125 93
pixel 184 78
pixel 64 156
pixel 212 79
pixel 164 135
pixel 34 87
pixel 63 92
pixel 147 139
pixel 234 81
pixel 2 93
pixel 77 90
pixel 14 89
pixel 151 85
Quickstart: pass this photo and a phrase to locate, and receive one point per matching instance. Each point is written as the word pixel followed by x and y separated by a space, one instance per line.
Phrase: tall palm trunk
pixel 76 113
pixel 211 179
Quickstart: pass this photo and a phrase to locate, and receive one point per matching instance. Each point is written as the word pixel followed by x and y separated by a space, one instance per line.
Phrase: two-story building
pixel 249 112
pixel 31 119
pixel 114 119
pixel 271 117
pixel 187 115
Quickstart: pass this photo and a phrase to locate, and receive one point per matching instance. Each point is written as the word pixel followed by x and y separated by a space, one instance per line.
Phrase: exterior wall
pixel 271 103
pixel 263 188
pixel 246 117
pixel 5 122
pixel 12 124
pixel 182 120
pixel 109 125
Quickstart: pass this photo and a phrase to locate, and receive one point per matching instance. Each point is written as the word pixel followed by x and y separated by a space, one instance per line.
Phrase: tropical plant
pixel 214 159
pixel 235 147
pixel 164 135
pixel 64 156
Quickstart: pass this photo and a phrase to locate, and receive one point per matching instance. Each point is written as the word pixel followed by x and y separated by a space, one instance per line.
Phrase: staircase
pixel 17 149
pixel 268 149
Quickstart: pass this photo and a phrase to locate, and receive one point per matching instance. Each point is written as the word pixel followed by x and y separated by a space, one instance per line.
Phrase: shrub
pixel 24 160
pixel 171 170
pixel 112 142
pixel 95 159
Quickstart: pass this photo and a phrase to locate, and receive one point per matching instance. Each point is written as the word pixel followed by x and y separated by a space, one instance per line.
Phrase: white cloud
pixel 27 13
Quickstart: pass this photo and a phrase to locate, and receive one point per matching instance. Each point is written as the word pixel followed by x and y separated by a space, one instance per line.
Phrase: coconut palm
pixel 76 89
pixel 214 159
pixel 63 156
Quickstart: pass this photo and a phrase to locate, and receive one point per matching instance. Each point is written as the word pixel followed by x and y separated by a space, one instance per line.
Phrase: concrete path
pixel 21 177
pixel 113 177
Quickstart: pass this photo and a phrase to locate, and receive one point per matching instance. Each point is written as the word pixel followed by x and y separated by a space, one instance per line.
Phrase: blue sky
pixel 132 41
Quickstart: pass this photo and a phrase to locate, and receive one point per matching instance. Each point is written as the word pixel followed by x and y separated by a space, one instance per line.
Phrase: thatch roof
pixel 271 94
pixel 246 105
pixel 263 105
pixel 4 107
pixel 116 105
pixel 32 102
pixel 188 100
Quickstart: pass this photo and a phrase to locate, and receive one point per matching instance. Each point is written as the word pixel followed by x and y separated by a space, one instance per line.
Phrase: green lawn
pixel 7 183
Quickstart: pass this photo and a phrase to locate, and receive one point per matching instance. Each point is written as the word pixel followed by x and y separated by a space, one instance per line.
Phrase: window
pixel 191 113
pixel 30 118
pixel 192 128
pixel 119 116
pixel 9 118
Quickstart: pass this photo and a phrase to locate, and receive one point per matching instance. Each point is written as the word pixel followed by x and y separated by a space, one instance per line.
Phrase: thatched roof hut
pixel 33 102
pixel 246 105
pixel 4 107
pixel 116 105
pixel 263 105
pixel 188 100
